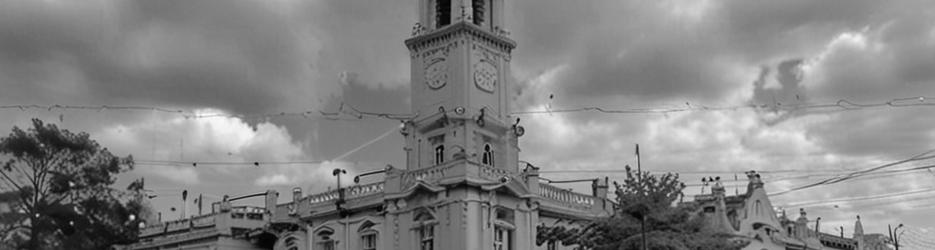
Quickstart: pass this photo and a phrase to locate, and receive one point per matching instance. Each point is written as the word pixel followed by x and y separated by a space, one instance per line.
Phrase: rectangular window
pixel 501 239
pixel 369 241
pixel 442 13
pixel 427 238
pixel 327 245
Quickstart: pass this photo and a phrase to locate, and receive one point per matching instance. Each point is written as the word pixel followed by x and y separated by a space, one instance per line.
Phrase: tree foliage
pixel 647 202
pixel 63 182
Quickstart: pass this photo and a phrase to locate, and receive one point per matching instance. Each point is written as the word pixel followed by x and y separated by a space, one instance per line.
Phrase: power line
pixel 346 110
pixel 856 174
pixel 841 104
pixel 694 172
pixel 860 198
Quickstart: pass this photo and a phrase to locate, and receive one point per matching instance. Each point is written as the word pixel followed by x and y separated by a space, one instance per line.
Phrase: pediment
pixel 513 187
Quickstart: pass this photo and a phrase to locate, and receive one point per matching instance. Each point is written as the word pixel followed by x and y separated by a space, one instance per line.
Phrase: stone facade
pixel 751 218
pixel 463 186
pixel 227 227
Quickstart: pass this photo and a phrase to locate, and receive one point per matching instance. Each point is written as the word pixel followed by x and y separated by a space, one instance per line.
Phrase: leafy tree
pixel 63 182
pixel 648 201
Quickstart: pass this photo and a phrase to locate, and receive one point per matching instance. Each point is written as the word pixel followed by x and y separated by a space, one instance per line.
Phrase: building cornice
pixel 444 34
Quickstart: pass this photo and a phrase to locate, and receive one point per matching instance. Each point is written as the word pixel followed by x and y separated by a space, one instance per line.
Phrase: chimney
pixel 296 195
pixel 271 198
pixel 531 174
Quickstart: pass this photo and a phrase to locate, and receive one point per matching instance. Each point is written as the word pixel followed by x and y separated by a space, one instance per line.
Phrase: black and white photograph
pixel 467 124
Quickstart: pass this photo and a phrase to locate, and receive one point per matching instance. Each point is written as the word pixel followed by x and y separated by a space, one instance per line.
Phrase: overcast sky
pixel 248 57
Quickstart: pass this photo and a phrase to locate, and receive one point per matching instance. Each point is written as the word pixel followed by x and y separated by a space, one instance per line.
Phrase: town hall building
pixel 463 186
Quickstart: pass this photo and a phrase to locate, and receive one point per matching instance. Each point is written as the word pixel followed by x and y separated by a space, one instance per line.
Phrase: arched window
pixel 292 243
pixel 503 229
pixel 757 208
pixel 368 236
pixel 442 13
pixel 479 11
pixel 425 230
pixel 439 154
pixel 323 239
pixel 487 158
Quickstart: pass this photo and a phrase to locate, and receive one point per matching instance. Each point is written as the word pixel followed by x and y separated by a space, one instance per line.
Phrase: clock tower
pixel 462 187
pixel 460 64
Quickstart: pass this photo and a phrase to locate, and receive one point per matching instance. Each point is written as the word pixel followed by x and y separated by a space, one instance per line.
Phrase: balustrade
pixel 364 190
pixel 566 198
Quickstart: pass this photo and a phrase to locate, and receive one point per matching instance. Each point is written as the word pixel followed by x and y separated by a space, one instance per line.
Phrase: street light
pixel 894 236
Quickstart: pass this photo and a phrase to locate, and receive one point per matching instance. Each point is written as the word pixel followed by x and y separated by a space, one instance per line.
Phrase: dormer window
pixel 487 157
pixel 442 13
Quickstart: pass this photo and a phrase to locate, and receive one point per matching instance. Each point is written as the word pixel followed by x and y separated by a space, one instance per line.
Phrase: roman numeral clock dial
pixel 485 71
pixel 436 69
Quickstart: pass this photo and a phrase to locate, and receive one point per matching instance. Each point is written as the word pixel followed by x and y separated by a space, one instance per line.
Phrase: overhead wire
pixel 860 198
pixel 358 114
pixel 837 179
pixel 840 104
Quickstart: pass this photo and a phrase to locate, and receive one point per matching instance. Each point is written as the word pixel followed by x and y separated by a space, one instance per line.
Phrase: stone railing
pixel 323 197
pixel 177 225
pixel 364 190
pixel 203 221
pixel 349 193
pixel 491 173
pixel 430 174
pixel 566 198
pixel 152 229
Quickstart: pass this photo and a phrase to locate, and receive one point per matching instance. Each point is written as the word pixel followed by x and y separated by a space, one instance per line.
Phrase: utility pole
pixel 337 173
pixel 639 175
pixel 184 197
pixel 817 230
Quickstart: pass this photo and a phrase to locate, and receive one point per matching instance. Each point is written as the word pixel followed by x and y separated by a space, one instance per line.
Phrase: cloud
pixel 317 177
pixel 162 138
pixel 245 57
pixel 242 56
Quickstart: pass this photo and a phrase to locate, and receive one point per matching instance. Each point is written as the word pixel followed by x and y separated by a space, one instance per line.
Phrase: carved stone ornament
pixel 485 70
pixel 436 71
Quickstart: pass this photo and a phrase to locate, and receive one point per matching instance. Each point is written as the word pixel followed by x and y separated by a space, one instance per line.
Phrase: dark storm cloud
pixel 227 54
pixel 625 48
pixel 663 50
pixel 892 134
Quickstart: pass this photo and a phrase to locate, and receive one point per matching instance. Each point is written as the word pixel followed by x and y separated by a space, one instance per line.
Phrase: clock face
pixel 485 69
pixel 485 76
pixel 436 73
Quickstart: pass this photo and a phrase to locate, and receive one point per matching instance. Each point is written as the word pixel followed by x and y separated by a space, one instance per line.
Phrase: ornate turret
pixel 859 234
pixel 858 228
